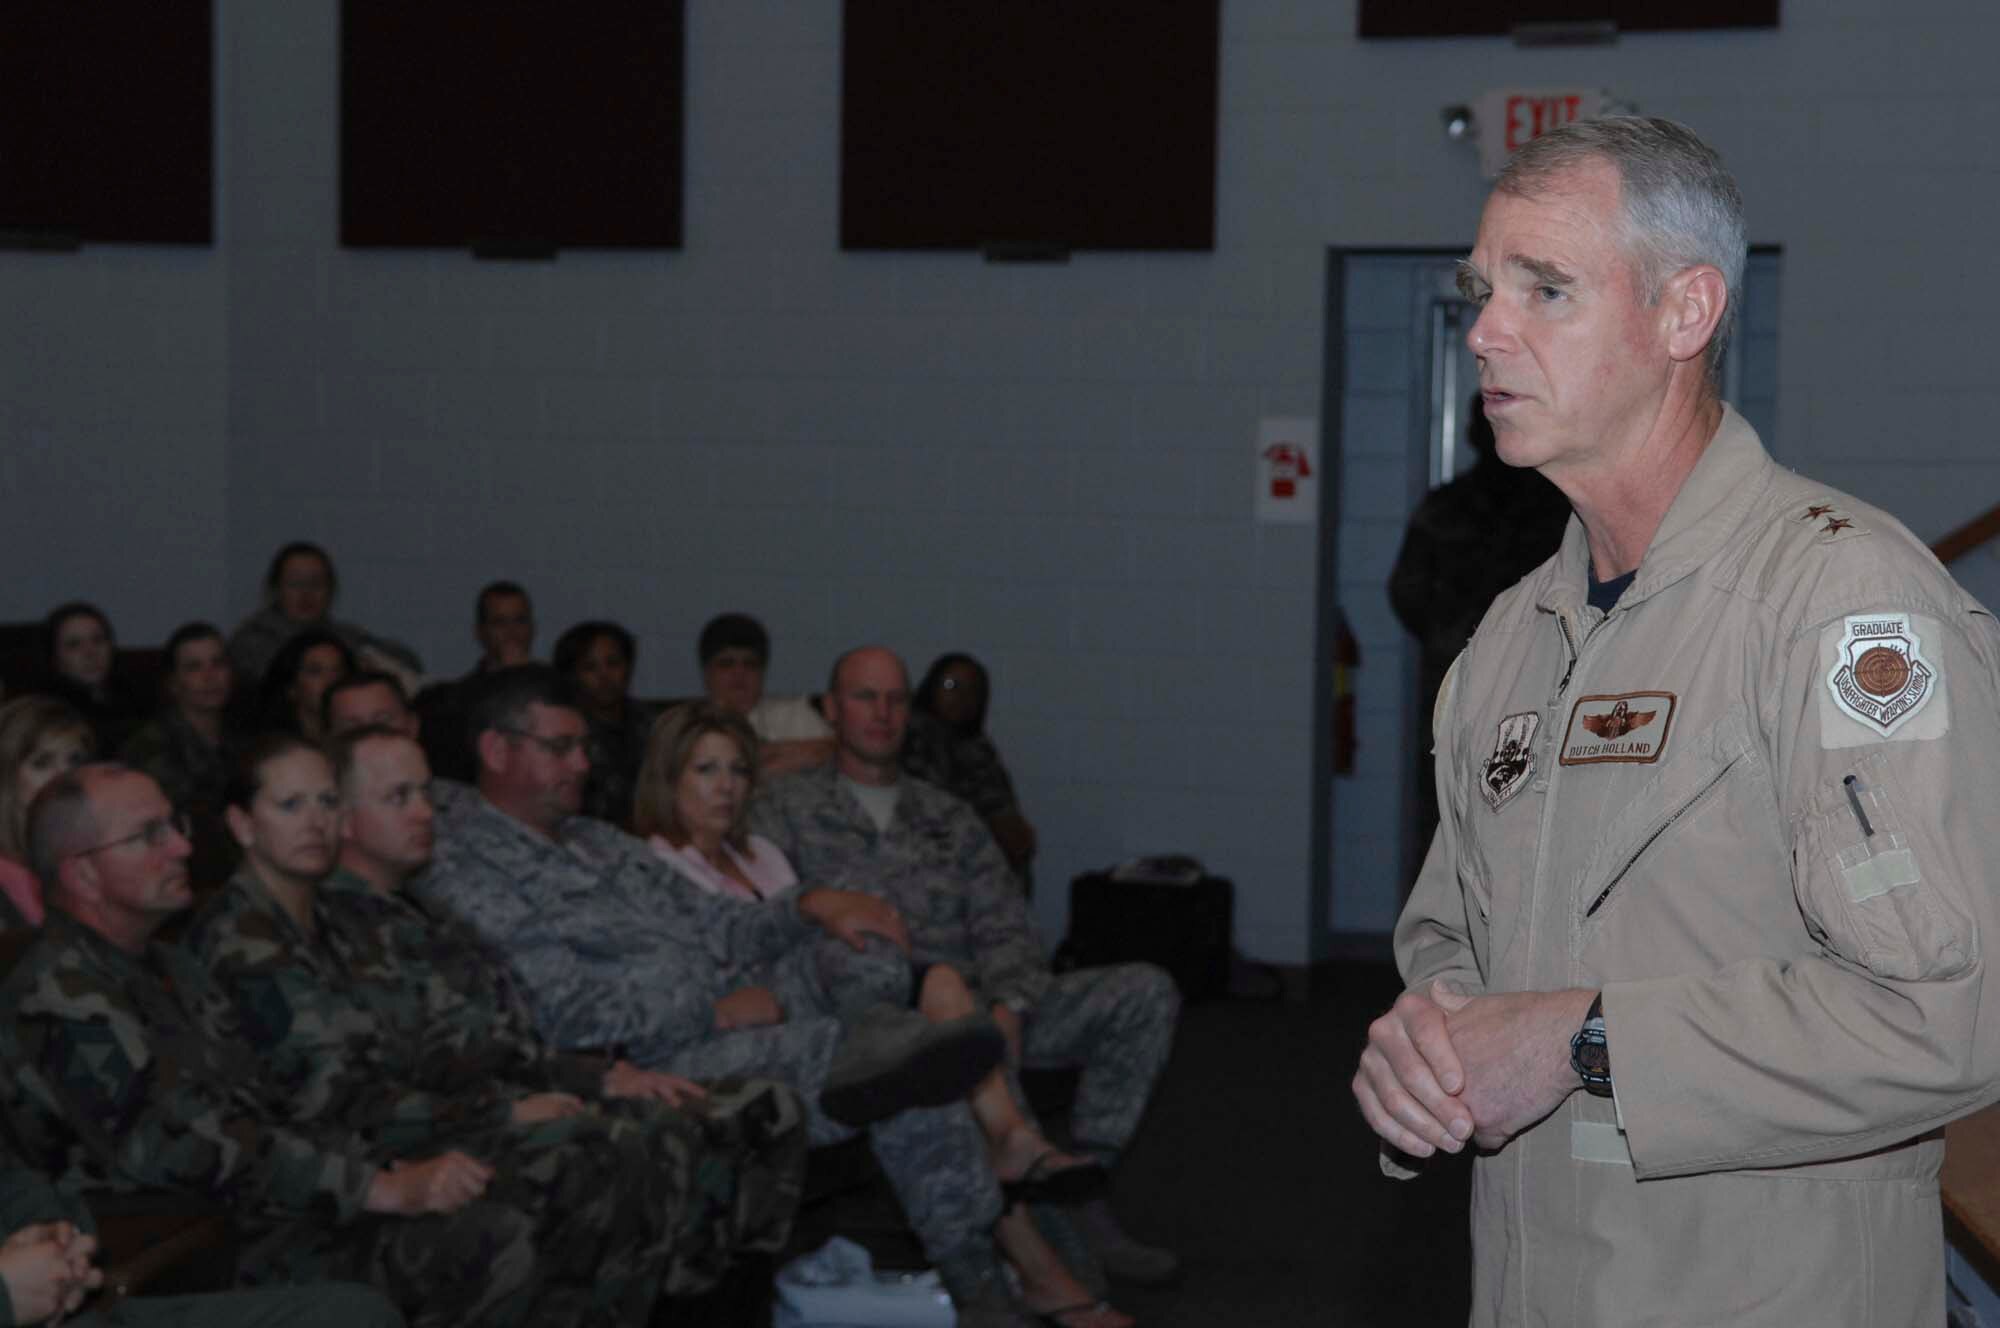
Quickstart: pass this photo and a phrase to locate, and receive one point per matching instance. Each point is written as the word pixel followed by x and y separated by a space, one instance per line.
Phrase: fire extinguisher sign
pixel 1287 466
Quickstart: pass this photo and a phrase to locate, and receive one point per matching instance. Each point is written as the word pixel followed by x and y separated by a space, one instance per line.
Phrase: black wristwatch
pixel 1589 1054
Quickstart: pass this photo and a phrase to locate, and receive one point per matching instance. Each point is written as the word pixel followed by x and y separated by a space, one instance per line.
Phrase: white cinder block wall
pixel 1047 466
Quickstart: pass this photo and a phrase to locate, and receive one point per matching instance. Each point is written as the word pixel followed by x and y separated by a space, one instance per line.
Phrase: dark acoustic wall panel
pixel 1053 124
pixel 106 115
pixel 1468 18
pixel 511 126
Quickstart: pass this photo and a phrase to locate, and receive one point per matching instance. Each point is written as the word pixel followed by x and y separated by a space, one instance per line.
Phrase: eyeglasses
pixel 155 833
pixel 561 748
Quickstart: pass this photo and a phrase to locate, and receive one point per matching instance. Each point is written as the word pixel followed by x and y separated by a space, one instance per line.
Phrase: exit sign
pixel 1512 117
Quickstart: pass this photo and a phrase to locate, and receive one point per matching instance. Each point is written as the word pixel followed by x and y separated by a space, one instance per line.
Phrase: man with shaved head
pixel 862 822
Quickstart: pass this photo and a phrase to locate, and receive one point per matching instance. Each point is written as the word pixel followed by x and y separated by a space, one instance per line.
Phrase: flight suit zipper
pixel 1658 830
pixel 1569 670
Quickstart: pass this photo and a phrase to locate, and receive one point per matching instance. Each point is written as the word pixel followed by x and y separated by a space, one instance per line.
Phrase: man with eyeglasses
pixel 125 1069
pixel 612 948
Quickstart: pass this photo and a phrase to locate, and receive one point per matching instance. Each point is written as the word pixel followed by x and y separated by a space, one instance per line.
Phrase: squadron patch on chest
pixel 1623 727
pixel 1513 758
pixel 1880 676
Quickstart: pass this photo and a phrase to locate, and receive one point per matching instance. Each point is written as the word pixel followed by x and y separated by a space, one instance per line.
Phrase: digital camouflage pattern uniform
pixel 621 1193
pixel 612 948
pixel 26 1198
pixel 939 866
pixel 125 1073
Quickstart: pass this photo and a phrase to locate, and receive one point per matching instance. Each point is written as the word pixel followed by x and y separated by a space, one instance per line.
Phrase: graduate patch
pixel 1513 757
pixel 1628 727
pixel 1880 676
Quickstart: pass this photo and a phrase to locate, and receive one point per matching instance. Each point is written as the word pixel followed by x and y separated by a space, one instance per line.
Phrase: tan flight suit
pixel 1654 802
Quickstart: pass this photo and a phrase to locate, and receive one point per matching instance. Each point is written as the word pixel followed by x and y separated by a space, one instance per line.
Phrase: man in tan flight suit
pixel 1695 960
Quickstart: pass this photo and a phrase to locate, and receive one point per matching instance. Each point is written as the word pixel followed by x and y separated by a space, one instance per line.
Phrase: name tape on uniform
pixel 1624 727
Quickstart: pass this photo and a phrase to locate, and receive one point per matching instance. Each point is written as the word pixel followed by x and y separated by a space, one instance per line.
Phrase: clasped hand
pixel 1442 1067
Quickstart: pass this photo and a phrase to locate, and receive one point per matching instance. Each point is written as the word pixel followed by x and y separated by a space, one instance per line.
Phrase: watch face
pixel 1594 1058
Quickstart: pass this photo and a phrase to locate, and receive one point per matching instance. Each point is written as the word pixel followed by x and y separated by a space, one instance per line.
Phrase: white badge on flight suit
pixel 1513 757
pixel 1879 684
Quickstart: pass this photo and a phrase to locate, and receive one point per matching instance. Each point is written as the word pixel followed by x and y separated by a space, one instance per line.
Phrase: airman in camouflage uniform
pixel 612 948
pixel 616 950
pixel 27 1199
pixel 625 1190
pixel 933 858
pixel 123 1075
pixel 126 1069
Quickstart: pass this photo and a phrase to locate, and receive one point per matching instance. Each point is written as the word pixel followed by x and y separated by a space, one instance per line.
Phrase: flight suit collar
pixel 1719 493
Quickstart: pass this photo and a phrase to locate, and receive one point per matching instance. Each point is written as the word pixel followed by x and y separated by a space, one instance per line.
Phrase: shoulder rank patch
pixel 1624 727
pixel 1879 679
pixel 1513 758
pixel 1829 521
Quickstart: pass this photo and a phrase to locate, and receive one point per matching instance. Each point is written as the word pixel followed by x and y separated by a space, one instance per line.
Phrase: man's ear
pixel 241 828
pixel 827 710
pixel 1693 305
pixel 78 878
pixel 492 749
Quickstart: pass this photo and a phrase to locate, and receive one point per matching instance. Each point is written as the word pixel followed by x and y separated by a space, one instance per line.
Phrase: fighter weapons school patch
pixel 1879 682
pixel 1513 757
pixel 1625 727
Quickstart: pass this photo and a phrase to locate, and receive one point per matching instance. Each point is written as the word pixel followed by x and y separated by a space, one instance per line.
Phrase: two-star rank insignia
pixel 1833 523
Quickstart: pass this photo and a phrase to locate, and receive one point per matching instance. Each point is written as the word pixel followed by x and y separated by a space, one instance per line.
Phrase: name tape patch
pixel 1623 727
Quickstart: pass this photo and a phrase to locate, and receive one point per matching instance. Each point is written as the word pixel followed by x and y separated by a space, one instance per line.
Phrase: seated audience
pixel 503 622
pixel 931 856
pixel 288 700
pixel 735 652
pixel 40 739
pixel 299 587
pixel 80 650
pixel 613 948
pixel 185 1105
pixel 597 658
pixel 344 1026
pixel 947 746
pixel 48 1272
pixel 694 790
pixel 188 745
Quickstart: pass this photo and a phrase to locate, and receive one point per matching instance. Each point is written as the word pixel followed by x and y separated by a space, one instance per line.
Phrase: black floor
pixel 1256 1167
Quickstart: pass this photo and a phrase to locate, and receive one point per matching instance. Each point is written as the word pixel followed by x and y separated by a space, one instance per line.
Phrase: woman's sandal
pixel 1042 1183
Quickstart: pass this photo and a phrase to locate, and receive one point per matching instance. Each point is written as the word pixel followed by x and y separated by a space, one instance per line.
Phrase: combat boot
pixel 979 1294
pixel 891 1059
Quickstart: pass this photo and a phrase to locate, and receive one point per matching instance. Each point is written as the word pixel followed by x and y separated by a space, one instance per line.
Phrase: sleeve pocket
pixel 1861 883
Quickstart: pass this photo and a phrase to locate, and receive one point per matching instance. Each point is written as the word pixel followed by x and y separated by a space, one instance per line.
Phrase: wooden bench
pixel 1970 1185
